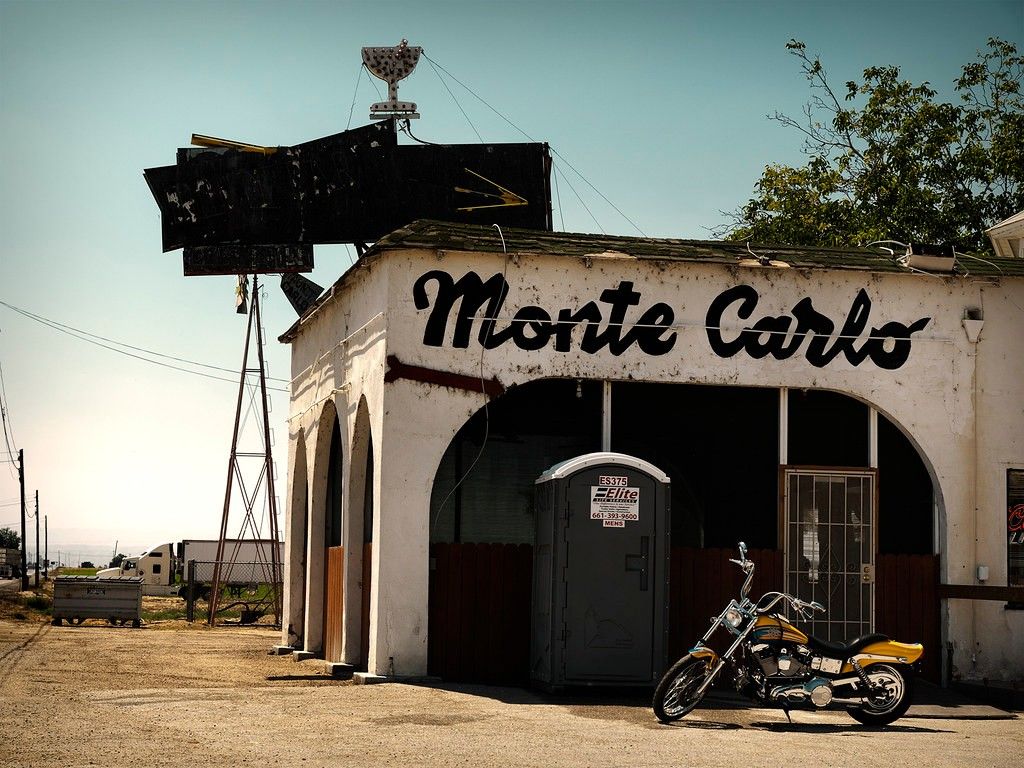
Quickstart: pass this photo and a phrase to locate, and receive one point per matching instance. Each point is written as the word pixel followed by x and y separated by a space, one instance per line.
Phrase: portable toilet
pixel 600 578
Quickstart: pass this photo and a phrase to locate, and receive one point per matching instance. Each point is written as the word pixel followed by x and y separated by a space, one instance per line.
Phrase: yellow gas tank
pixel 776 628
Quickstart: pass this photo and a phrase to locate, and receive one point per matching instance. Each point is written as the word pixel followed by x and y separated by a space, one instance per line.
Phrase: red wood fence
pixel 480 612
pixel 480 604
pixel 907 605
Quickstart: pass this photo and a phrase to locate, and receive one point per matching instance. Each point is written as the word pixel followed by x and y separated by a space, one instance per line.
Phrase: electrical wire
pixel 528 136
pixel 585 206
pixel 489 326
pixel 558 199
pixel 373 82
pixel 4 417
pixel 85 336
pixel 355 93
pixel 46 320
pixel 457 104
pixel 6 414
pixel 407 130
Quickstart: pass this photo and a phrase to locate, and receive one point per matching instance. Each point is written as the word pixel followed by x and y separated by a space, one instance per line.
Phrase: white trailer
pixel 235 550
pixel 156 567
pixel 163 568
pixel 10 562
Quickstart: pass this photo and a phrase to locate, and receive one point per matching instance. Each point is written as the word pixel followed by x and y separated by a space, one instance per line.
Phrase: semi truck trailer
pixel 164 568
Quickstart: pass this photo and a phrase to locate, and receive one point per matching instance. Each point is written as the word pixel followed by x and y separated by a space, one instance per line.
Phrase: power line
pixel 434 67
pixel 585 206
pixel 83 336
pixel 46 320
pixel 355 92
pixel 528 136
pixel 6 415
pixel 8 439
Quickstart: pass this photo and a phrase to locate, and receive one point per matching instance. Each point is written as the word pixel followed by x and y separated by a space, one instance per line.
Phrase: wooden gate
pixel 364 607
pixel 907 605
pixel 334 606
pixel 479 620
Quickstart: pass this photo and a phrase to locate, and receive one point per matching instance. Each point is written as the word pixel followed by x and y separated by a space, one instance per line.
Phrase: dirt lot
pixel 171 696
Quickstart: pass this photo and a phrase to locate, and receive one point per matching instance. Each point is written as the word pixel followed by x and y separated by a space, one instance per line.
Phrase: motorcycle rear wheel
pixel 899 687
pixel 676 694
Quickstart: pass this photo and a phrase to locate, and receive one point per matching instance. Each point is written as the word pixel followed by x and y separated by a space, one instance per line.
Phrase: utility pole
pixel 46 545
pixel 37 538
pixel 21 482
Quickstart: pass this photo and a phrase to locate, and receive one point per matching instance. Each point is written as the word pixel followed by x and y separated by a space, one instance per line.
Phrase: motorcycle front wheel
pixel 676 694
pixel 885 707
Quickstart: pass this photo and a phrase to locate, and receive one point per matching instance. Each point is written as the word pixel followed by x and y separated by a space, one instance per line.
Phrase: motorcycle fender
pixel 704 653
pixel 887 652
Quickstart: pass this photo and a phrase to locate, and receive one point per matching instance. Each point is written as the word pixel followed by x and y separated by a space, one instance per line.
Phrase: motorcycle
pixel 773 662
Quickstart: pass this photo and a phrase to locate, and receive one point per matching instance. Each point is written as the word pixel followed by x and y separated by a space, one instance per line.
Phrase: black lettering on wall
pixel 532 327
pixel 606 324
pixel 887 346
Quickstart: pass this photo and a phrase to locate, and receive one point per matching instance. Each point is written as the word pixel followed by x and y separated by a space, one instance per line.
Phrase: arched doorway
pixel 727 451
pixel 361 515
pixel 334 554
pixel 297 539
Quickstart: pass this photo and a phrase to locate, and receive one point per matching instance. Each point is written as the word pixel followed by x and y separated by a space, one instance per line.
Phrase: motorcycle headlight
pixel 733 617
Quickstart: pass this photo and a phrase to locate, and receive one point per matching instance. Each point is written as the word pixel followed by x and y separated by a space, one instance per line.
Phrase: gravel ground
pixel 173 695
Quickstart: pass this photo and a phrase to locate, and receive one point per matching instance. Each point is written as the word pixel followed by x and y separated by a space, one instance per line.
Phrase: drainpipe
pixel 972 327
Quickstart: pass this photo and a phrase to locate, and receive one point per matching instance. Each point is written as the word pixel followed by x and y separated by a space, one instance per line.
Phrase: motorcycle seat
pixel 845 650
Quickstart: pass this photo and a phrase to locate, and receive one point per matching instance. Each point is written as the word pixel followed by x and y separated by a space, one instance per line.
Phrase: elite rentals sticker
pixel 613 501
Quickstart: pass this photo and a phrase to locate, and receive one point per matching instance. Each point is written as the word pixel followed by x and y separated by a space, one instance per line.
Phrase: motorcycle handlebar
pixel 806 608
pixel 798 604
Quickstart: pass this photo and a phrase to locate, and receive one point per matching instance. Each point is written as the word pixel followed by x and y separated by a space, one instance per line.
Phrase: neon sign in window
pixel 1015 527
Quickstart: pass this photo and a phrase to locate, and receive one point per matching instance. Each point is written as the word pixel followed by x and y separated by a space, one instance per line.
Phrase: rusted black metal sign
pixel 353 187
pixel 246 259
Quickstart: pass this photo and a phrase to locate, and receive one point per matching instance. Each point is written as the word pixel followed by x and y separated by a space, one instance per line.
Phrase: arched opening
pixel 297 541
pixel 334 554
pixel 360 559
pixel 727 452
pixel 324 484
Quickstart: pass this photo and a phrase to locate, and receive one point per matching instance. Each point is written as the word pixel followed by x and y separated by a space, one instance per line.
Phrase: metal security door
pixel 830 547
pixel 609 608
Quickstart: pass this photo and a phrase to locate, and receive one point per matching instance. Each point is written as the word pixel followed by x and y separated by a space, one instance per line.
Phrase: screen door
pixel 830 548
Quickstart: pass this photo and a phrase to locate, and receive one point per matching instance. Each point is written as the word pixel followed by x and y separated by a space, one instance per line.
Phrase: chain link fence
pixel 248 591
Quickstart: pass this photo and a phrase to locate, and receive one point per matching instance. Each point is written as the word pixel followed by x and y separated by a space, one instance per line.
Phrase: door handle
pixel 639 562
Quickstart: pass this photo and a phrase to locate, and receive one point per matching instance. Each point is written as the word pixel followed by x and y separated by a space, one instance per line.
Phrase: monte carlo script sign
pixel 619 319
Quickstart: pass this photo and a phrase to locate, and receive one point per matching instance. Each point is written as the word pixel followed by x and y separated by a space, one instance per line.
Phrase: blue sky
pixel 661 106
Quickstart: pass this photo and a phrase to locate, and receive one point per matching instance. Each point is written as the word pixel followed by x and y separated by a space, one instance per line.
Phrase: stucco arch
pixel 939 516
pixel 316 525
pixel 449 470
pixel 296 532
pixel 359 537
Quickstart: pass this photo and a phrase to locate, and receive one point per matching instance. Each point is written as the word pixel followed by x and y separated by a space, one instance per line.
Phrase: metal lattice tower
pixel 272 570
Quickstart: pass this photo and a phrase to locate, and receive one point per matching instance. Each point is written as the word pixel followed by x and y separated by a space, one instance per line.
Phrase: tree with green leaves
pixel 116 561
pixel 888 161
pixel 9 539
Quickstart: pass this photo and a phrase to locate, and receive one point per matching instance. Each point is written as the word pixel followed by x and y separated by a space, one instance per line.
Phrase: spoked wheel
pixel 892 688
pixel 676 694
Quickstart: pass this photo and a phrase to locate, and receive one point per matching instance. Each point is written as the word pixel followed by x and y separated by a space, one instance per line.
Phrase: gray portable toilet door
pixel 609 598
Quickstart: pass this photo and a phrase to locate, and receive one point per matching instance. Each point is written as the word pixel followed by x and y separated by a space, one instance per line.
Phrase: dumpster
pixel 77 598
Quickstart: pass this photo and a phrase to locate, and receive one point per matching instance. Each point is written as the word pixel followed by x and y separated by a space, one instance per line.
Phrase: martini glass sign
pixel 391 64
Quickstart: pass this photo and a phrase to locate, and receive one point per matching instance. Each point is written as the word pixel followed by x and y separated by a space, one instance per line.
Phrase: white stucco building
pixel 858 421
